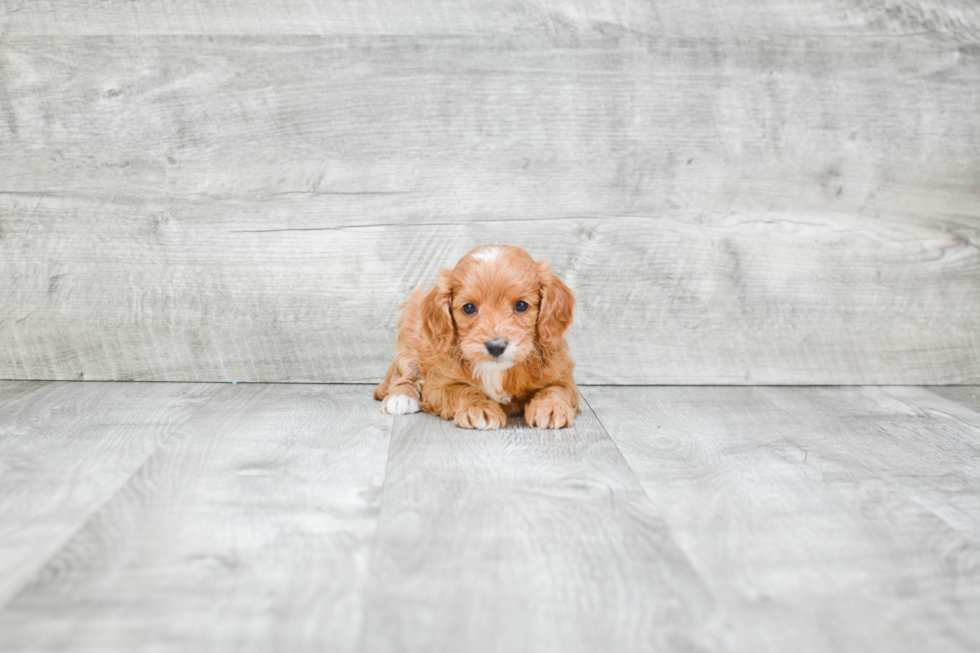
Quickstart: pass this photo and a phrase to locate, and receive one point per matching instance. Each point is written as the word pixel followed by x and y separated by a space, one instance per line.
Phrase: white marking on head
pixel 400 405
pixel 487 253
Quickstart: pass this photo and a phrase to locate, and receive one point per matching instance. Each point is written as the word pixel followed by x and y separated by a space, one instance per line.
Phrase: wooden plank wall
pixel 758 191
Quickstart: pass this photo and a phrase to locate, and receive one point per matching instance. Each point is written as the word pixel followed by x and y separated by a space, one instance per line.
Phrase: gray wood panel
pixel 820 518
pixel 65 449
pixel 248 530
pixel 738 299
pixel 377 130
pixel 695 18
pixel 524 540
pixel 741 192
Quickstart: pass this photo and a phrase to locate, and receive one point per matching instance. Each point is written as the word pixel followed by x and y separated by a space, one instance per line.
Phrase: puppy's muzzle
pixel 496 346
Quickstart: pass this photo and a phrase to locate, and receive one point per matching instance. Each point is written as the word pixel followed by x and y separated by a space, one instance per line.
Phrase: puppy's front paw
pixel 549 414
pixel 400 405
pixel 482 416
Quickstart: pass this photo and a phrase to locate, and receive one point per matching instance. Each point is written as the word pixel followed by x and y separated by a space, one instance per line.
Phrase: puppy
pixel 487 341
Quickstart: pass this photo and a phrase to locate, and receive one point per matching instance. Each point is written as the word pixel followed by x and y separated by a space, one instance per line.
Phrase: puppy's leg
pixel 465 405
pixel 399 392
pixel 552 407
pixel 381 391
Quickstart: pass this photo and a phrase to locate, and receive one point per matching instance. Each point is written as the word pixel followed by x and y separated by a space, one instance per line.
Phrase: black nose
pixel 496 346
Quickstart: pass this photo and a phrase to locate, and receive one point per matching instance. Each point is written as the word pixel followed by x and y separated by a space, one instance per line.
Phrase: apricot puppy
pixel 487 341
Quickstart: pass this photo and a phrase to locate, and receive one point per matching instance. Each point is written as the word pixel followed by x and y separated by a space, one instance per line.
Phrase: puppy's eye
pixel 520 307
pixel 469 309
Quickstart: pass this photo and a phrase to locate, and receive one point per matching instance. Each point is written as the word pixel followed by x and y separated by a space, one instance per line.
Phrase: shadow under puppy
pixel 487 341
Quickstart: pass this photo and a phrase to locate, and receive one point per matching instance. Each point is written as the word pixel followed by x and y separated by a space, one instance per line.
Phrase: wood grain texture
pixel 524 540
pixel 915 443
pixel 738 299
pixel 964 418
pixel 378 130
pixel 967 395
pixel 295 518
pixel 14 393
pixel 65 449
pixel 248 530
pixel 821 518
pixel 698 18
pixel 768 192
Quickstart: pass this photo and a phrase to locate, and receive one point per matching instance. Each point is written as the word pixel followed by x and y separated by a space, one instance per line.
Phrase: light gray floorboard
pixel 65 449
pixel 292 517
pixel 523 540
pixel 248 530
pixel 952 414
pixel 13 394
pixel 822 519
pixel 967 395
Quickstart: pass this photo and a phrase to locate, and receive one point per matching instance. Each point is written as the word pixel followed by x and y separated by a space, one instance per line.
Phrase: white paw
pixel 400 405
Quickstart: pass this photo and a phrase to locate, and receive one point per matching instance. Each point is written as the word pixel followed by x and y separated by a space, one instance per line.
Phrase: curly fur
pixel 442 365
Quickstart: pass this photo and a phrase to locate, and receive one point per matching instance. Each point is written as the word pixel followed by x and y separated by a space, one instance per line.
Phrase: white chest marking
pixel 491 378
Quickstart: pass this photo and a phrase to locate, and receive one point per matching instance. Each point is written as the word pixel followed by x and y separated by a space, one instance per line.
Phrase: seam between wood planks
pixel 98 509
pixel 373 552
pixel 612 440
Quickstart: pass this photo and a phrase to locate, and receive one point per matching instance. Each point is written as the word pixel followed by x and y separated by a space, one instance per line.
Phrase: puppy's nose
pixel 496 346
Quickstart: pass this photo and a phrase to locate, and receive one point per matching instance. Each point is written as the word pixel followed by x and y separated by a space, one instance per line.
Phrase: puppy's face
pixel 495 307
pixel 498 303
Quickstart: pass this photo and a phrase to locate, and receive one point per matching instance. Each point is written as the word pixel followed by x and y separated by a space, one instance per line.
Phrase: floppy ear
pixel 557 305
pixel 436 307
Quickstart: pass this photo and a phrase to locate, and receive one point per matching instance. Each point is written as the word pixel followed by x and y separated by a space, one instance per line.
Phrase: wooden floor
pixel 207 517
